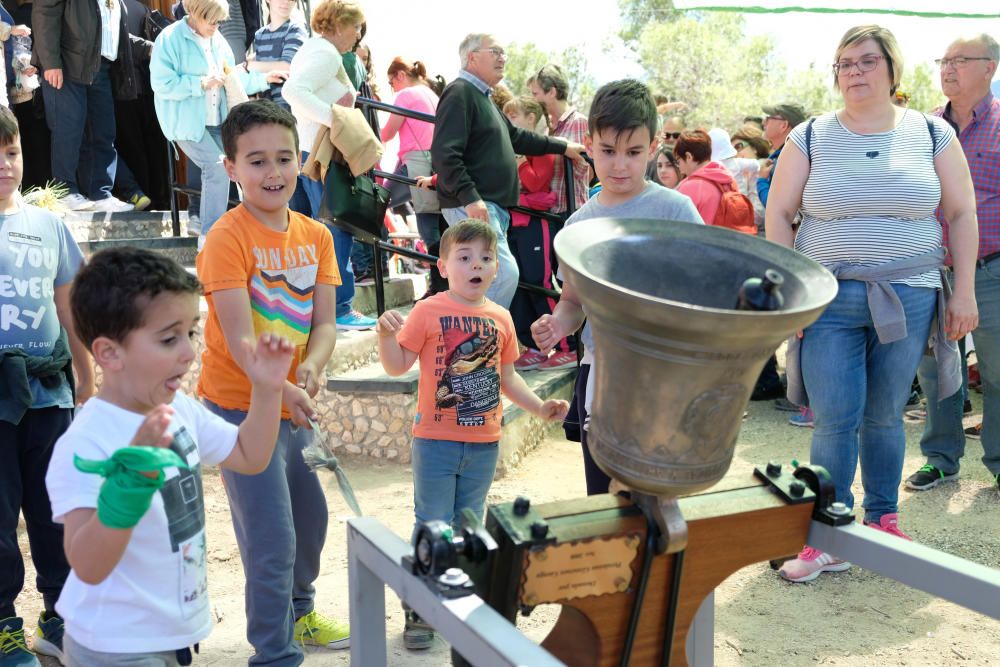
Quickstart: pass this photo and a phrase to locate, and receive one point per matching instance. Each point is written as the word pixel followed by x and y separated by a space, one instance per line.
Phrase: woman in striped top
pixel 868 179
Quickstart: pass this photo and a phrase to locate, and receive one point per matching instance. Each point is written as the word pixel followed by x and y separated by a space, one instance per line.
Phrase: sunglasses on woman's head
pixel 739 145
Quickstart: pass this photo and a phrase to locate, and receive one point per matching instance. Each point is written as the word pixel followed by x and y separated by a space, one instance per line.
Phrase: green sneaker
pixel 314 629
pixel 140 201
pixel 14 652
pixel 49 636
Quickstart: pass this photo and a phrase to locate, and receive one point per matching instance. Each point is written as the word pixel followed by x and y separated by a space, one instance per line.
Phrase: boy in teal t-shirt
pixel 39 351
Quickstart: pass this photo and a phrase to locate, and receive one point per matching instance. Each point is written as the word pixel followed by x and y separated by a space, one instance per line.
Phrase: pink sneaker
pixel 529 359
pixel 558 361
pixel 810 564
pixel 889 523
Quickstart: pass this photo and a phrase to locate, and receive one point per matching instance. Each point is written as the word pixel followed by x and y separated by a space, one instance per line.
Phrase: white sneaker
pixel 112 205
pixel 76 202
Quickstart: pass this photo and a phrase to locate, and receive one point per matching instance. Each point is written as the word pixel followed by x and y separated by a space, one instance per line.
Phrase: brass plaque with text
pixel 579 569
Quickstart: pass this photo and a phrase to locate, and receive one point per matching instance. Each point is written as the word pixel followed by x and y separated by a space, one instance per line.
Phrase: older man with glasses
pixel 473 153
pixel 967 68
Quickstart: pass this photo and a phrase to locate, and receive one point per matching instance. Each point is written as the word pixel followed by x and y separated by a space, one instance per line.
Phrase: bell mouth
pixel 692 267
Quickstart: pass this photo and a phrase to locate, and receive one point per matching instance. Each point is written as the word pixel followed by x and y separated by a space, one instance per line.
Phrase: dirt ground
pixel 853 618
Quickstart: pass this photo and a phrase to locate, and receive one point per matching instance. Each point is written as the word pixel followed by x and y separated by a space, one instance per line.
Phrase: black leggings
pixel 25 450
pixel 597 480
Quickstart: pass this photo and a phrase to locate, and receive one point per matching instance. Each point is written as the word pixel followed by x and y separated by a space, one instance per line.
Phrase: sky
pixel 430 30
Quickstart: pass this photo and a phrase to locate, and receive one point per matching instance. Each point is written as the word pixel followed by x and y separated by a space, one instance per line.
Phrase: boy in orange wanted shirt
pixel 467 346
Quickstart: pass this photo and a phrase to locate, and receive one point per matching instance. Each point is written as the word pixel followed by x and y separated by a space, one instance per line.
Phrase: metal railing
pixel 378 246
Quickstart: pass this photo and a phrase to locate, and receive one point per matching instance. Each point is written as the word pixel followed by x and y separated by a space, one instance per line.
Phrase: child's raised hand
pixel 390 323
pixel 554 410
pixel 546 331
pixel 267 365
pixel 152 432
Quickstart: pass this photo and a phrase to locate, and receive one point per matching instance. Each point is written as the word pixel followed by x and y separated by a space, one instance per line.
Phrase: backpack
pixel 735 209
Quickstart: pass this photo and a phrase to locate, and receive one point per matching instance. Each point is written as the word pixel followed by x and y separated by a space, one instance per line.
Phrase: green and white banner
pixel 967 9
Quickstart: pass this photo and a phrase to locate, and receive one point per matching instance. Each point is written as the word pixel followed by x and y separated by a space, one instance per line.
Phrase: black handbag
pixel 354 203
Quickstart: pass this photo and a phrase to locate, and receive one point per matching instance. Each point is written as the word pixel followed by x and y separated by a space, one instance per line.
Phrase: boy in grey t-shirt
pixel 621 139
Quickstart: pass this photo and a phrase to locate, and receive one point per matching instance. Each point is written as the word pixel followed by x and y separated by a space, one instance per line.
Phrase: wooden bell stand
pixel 741 521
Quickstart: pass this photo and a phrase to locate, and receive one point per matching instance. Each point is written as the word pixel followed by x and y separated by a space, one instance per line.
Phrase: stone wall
pixel 106 226
pixel 373 425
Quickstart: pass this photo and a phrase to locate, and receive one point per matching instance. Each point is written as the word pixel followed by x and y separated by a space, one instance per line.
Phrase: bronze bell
pixel 675 360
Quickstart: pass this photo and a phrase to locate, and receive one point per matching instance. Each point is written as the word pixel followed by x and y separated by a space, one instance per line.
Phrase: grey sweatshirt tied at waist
pixel 889 319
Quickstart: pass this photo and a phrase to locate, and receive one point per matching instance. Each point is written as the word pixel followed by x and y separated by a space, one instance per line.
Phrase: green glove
pixel 126 493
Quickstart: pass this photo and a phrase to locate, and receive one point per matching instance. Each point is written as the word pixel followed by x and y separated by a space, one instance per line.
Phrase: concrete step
pixel 144 229
pixel 370 414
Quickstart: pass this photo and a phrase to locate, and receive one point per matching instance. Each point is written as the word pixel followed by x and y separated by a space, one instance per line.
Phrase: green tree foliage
pixel 706 60
pixel 710 64
pixel 812 88
pixel 524 60
pixel 582 86
pixel 637 14
pixel 923 84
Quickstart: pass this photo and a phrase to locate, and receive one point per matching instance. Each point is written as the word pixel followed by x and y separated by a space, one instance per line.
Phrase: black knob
pixel 762 293
pixel 539 530
pixel 773 469
pixel 521 506
pixel 796 488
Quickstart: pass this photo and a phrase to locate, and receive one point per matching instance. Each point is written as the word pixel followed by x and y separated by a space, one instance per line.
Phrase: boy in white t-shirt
pixel 137 593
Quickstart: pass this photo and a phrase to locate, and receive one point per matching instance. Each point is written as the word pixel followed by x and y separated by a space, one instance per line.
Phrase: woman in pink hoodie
pixel 710 185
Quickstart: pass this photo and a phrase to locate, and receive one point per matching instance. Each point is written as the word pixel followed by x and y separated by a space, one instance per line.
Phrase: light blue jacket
pixel 176 69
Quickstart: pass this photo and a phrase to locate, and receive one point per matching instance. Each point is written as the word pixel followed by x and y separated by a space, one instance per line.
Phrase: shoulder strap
pixel 809 137
pixel 930 130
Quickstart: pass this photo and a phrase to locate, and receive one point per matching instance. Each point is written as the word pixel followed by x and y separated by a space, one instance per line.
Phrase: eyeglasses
pixel 739 145
pixel 495 50
pixel 864 64
pixel 672 135
pixel 767 118
pixel 958 61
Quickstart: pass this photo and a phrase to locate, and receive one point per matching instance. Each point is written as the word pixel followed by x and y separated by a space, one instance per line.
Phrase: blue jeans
pixel 857 389
pixel 82 121
pixel 125 181
pixel 943 441
pixel 502 290
pixel 427 227
pixel 306 200
pixel 207 154
pixel 280 519
pixel 450 476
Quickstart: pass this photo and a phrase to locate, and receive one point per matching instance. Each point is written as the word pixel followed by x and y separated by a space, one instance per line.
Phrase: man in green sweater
pixel 473 153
